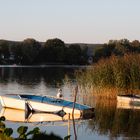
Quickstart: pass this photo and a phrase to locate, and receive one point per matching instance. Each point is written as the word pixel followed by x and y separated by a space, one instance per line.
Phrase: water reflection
pixel 43 119
pixel 121 105
pixel 21 116
pixel 36 80
pixel 21 75
pixel 116 122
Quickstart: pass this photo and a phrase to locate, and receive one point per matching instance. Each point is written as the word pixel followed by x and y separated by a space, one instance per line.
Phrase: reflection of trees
pixel 53 77
pixel 20 75
pixel 28 76
pixel 56 76
pixel 4 75
pixel 33 76
pixel 115 122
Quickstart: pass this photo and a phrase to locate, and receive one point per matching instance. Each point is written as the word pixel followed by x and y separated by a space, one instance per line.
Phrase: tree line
pixel 30 51
pixel 117 48
pixel 55 51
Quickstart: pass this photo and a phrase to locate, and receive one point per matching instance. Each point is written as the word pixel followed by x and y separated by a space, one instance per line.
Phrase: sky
pixel 73 21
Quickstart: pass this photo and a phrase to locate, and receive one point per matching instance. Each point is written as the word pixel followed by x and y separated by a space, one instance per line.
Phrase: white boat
pixel 121 105
pixel 43 104
pixel 129 99
pixel 10 114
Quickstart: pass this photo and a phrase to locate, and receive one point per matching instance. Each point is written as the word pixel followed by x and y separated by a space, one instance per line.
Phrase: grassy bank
pixel 112 75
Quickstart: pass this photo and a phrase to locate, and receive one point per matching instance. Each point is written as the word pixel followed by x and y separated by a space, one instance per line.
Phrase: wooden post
pixel 75 94
pixel 69 125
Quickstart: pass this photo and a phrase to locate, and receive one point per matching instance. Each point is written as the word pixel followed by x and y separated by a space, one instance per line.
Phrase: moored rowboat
pixel 43 103
pixel 129 99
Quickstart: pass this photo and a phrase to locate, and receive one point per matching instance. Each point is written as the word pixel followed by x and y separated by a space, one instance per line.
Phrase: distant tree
pixel 54 50
pixel 112 42
pixel 103 51
pixel 115 47
pixel 30 49
pixel 4 48
pixel 135 46
pixel 135 43
pixel 84 55
pixel 16 50
pixel 73 54
pixel 98 53
pixel 122 46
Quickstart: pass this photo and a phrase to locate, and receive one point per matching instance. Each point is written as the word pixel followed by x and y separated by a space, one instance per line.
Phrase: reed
pixel 111 75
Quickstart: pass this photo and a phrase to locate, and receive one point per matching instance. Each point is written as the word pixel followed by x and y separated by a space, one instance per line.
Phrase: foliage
pixel 117 47
pixel 43 136
pixel 67 137
pixel 73 54
pixel 4 48
pixel 118 72
pixel 54 50
pixel 5 133
pixel 35 134
pixel 4 51
pixel 30 52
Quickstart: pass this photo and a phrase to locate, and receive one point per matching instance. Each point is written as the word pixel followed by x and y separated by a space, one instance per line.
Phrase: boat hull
pixel 44 104
pixel 20 104
pixel 129 99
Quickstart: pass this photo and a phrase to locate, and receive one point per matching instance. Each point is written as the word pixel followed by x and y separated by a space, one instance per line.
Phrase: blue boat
pixel 44 104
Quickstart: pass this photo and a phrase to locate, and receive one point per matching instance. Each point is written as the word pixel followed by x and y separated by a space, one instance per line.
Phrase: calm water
pixel 110 121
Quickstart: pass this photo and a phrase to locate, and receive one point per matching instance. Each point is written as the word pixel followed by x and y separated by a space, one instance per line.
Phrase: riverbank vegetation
pixel 116 68
pixel 112 75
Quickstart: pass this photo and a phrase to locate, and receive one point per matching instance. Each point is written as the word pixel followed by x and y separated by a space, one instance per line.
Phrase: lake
pixel 111 121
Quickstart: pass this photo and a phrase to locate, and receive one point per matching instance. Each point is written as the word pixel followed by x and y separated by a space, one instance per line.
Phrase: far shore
pixel 47 66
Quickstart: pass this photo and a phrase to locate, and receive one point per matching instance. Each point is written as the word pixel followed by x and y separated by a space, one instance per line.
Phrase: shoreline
pixel 47 66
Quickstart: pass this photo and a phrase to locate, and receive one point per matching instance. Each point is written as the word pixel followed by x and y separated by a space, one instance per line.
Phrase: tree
pixel 30 49
pixel 122 46
pixel 116 47
pixel 135 43
pixel 73 54
pixel 135 46
pixel 4 48
pixel 54 50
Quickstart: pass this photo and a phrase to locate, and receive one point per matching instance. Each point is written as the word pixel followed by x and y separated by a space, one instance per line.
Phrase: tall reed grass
pixel 115 73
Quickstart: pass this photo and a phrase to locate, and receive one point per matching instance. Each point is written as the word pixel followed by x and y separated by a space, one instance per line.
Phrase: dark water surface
pixel 110 122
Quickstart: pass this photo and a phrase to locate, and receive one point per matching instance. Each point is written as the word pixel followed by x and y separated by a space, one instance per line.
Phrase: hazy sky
pixel 73 21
